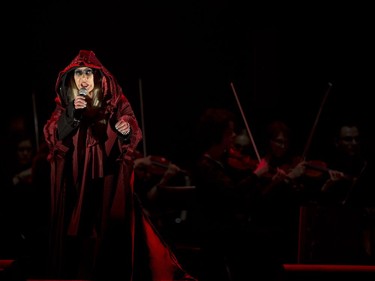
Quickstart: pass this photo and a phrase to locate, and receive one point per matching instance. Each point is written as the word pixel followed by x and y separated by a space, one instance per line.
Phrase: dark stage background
pixel 185 54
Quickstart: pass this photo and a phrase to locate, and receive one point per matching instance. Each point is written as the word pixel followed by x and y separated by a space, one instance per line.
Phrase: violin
pixel 156 165
pixel 313 168
pixel 316 169
pixel 159 165
pixel 240 161
pixel 310 169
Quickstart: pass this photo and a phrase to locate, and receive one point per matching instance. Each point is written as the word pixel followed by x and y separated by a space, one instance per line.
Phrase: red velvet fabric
pixel 118 201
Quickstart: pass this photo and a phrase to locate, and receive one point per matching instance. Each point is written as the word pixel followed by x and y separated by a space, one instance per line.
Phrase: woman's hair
pixel 212 126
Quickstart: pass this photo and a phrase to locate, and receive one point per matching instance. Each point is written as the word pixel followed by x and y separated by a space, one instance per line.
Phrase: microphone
pixel 78 112
pixel 82 92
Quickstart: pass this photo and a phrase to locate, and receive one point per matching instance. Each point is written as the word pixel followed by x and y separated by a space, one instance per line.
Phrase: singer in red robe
pixel 98 229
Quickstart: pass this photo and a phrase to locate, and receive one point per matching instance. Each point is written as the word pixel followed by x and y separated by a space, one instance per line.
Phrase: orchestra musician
pixel 232 247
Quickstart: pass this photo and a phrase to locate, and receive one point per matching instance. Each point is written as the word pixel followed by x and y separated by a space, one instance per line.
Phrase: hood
pixel 87 58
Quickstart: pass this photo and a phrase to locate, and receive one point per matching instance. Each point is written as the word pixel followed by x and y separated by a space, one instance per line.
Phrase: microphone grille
pixel 82 92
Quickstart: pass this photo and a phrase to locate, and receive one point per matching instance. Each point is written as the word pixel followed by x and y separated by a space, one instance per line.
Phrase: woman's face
pixel 279 145
pixel 84 78
pixel 25 152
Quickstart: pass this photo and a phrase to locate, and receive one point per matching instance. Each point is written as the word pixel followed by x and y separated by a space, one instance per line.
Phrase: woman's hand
pixel 123 127
pixel 80 102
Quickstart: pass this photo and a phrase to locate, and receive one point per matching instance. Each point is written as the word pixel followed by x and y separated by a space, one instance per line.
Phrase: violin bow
pixel 36 122
pixel 142 117
pixel 312 131
pixel 302 210
pixel 244 119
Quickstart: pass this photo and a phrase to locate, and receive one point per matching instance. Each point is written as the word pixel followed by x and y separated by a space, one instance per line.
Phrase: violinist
pixel 344 226
pixel 230 243
pixel 240 157
pixel 280 154
pixel 278 210
pixel 163 189
pixel 157 171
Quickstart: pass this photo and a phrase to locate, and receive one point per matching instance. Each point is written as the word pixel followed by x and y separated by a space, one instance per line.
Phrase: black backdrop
pixel 185 55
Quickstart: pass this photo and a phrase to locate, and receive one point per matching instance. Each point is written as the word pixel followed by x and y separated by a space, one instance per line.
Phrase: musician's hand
pixel 335 175
pixel 297 171
pixel 262 168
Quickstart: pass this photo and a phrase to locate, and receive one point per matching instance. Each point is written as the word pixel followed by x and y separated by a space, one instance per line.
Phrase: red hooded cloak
pixel 91 155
